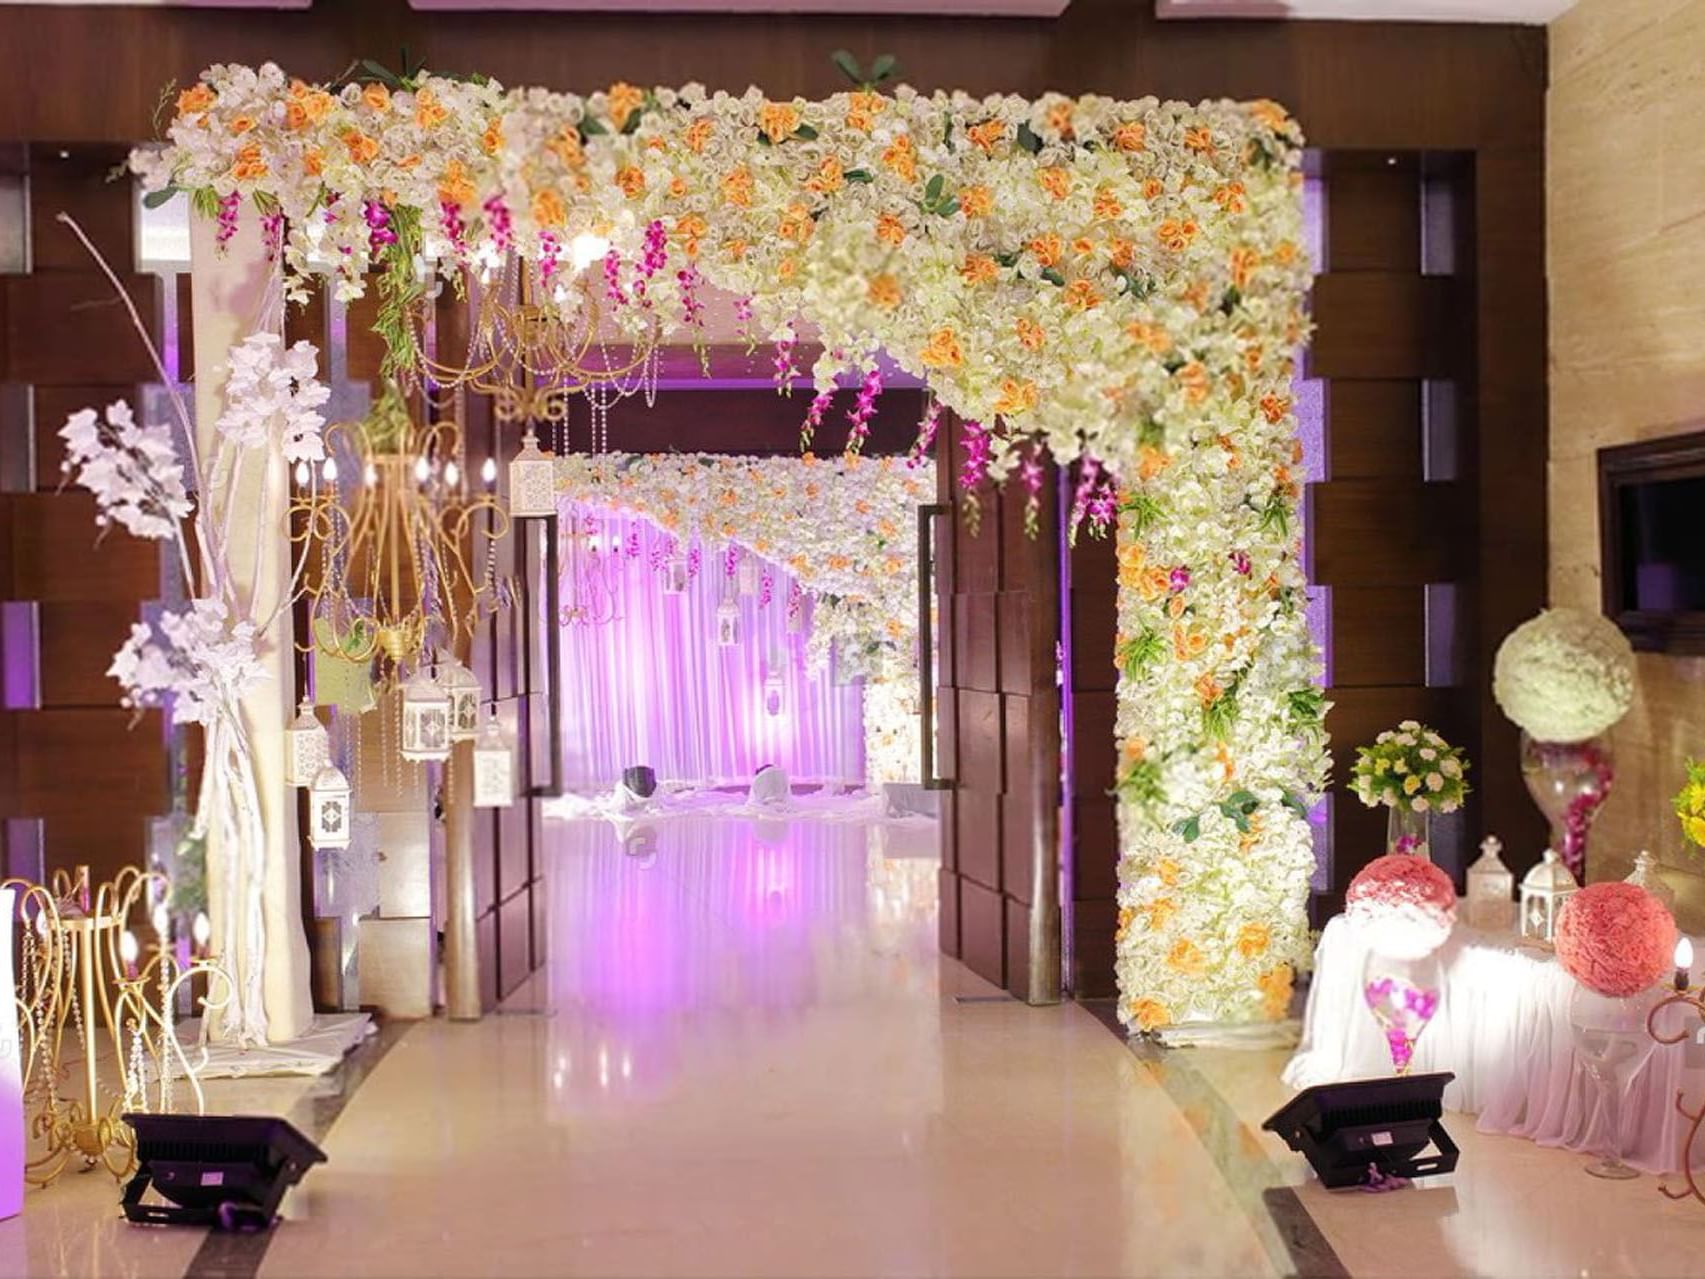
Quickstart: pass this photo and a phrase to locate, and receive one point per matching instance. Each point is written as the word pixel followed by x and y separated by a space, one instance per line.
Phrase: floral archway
pixel 1118 282
pixel 838 526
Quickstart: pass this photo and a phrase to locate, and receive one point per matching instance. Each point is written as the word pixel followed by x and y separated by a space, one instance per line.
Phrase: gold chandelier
pixel 398 568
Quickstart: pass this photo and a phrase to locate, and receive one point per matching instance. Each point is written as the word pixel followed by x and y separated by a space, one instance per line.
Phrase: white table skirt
pixel 1503 1029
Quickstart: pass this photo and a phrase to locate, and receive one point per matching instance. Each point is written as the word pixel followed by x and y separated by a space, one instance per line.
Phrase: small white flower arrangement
pixel 1411 768
pixel 1565 675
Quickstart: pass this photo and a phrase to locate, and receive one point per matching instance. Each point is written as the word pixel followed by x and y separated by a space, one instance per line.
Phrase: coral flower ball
pixel 1404 905
pixel 1615 938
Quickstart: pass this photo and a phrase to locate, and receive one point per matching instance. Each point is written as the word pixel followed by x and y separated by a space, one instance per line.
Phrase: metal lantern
pixel 462 687
pixel 748 574
pixel 532 481
pixel 1491 888
pixel 426 719
pixel 494 768
pixel 675 575
pixel 1648 875
pixel 775 688
pixel 1544 889
pixel 306 747
pixel 329 809
pixel 727 623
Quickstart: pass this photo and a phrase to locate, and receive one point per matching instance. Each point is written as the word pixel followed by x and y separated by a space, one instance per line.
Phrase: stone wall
pixel 1626 229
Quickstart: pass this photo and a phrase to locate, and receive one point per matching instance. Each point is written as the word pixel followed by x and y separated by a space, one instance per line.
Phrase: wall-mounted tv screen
pixel 1652 541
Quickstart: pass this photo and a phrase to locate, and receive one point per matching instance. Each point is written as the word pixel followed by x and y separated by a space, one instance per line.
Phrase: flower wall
pixel 839 527
pixel 1121 281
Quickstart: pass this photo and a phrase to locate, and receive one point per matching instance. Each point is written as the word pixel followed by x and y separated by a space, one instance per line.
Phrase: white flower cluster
pixel 838 526
pixel 1073 267
pixel 273 397
pixel 132 470
pixel 196 661
pixel 1565 675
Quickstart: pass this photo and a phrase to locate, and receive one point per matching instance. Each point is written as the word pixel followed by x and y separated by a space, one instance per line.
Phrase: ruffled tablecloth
pixel 1503 1029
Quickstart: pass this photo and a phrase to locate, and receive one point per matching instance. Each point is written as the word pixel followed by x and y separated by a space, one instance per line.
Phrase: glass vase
pixel 1406 831
pixel 1569 781
pixel 1403 996
pixel 1612 1041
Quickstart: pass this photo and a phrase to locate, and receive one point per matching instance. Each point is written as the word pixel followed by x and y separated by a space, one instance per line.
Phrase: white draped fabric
pixel 654 686
pixel 1503 1029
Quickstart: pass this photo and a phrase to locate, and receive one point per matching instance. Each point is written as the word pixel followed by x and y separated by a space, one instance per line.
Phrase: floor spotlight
pixel 225 1171
pixel 1385 1124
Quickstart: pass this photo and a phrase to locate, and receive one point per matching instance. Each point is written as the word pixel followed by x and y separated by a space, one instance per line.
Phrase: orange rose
pixel 196 98
pixel 295 116
pixel 241 125
pixel 976 202
pixel 1059 120
pixel 942 351
pixel 1274 408
pixel 1082 295
pixel 1193 377
pixel 796 224
pixel 979 268
pixel 567 148
pixel 1047 249
pixel 631 180
pixel 249 164
pixel 697 134
pixel 1161 912
pixel 428 111
pixel 829 177
pixel 884 292
pixel 1016 397
pixel 1200 139
pixel 362 149
pixel 455 187
pixel 1186 957
pixel 1275 988
pixel 737 188
pixel 1149 1014
pixel 1107 207
pixel 1130 137
pixel 1243 264
pixel 1230 198
pixel 624 99
pixel 862 109
pixel 548 208
pixel 375 97
pixel 778 120
pixel 901 158
pixel 984 136
pixel 1175 234
pixel 1253 939
pixel 492 139
pixel 890 230
pixel 1030 334
pixel 1056 181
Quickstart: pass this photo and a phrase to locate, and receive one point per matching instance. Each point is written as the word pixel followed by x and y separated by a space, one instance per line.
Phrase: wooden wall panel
pixel 1373 430
pixel 1380 532
pixel 1378 635
pixel 68 328
pixel 1376 324
pixel 76 641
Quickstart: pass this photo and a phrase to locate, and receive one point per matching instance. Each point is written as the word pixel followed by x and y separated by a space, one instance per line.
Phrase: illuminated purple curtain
pixel 654 686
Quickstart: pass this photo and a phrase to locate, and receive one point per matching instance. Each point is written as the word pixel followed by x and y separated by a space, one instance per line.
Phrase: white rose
pixel 1419 803
pixel 1435 782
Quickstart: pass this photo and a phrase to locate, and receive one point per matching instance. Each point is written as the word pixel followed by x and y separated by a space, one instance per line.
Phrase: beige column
pixel 461 946
pixel 234 293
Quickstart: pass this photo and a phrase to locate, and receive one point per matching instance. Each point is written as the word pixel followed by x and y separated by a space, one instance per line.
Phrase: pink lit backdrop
pixel 655 687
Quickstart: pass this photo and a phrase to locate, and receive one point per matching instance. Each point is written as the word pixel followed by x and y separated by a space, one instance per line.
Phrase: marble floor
pixel 746 1058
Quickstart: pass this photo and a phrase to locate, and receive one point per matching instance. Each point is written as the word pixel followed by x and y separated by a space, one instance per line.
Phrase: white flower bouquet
pixel 1410 768
pixel 1564 676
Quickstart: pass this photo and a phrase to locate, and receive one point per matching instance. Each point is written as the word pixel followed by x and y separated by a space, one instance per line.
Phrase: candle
pixel 202 931
pixel 127 952
pixel 1683 963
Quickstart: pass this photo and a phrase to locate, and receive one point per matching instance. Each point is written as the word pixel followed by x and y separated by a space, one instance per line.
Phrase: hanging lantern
pixel 728 623
pixel 306 747
pixel 462 687
pixel 1491 888
pixel 748 574
pixel 532 481
pixel 328 808
pixel 1544 889
pixel 494 768
pixel 774 688
pixel 426 719
pixel 675 575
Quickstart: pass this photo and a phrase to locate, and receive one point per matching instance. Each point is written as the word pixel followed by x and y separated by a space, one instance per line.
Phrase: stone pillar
pixel 461 945
pixel 234 292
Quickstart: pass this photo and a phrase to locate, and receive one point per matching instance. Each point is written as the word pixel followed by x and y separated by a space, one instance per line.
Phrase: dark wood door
pixel 998 727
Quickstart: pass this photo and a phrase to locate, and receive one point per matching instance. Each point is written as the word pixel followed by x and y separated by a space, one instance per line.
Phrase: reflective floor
pixel 746 1058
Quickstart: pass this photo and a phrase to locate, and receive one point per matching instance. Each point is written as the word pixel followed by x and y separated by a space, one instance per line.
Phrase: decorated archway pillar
pixel 234 292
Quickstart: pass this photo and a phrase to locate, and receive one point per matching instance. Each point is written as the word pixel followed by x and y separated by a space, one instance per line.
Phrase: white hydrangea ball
pixel 1565 675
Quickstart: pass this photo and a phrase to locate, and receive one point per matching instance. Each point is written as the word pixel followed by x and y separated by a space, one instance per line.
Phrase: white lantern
pixel 775 688
pixel 1491 888
pixel 306 747
pixel 494 768
pixel 727 623
pixel 328 809
pixel 426 719
pixel 1647 875
pixel 532 480
pixel 462 687
pixel 675 575
pixel 1544 889
pixel 748 574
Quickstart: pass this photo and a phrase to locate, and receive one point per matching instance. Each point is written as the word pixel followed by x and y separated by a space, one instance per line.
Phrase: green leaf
pixel 1028 140
pixel 591 126
pixel 1007 259
pixel 947 133
pixel 948 207
pixel 885 66
pixel 632 122
pixel 1190 828
pixel 1143 511
pixel 1229 302
pixel 858 175
pixel 1242 800
pixel 932 190
pixel 154 199
pixel 1052 276
pixel 848 65
pixel 381 73
pixel 805 133
pixel 1293 801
